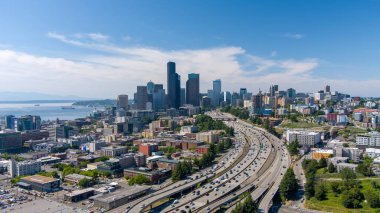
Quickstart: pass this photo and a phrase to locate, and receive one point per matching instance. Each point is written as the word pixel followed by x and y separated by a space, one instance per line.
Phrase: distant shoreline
pixel 38 101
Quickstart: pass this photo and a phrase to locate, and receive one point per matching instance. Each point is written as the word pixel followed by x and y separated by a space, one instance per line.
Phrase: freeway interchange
pixel 255 165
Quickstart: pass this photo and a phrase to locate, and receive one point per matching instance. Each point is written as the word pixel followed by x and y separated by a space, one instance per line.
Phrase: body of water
pixel 47 111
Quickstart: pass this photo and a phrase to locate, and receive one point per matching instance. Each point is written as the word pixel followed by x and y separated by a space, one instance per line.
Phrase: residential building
pixel 148 148
pixel 209 137
pixel 369 140
pixel 112 151
pixel 340 166
pixel 304 138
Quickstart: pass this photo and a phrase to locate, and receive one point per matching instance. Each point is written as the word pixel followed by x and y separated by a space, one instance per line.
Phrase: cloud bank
pixel 115 70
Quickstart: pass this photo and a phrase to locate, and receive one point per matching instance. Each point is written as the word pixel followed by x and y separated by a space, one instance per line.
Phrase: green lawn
pixel 334 204
pixel 296 125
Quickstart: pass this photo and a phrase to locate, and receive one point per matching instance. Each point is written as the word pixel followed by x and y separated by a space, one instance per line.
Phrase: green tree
pixel 374 184
pixel 54 174
pixel 293 147
pixel 247 206
pixel 322 163
pixel 335 188
pixel 373 198
pixel 288 185
pixel 138 179
pixel 320 192
pixel 352 198
pixel 84 183
pixel 347 174
pixel 331 168
pixel 220 147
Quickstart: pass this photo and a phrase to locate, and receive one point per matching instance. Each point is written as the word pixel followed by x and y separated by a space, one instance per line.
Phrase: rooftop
pixel 81 191
pixel 107 198
pixel 39 179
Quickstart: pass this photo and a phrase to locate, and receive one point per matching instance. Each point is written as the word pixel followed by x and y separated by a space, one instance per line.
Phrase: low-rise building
pixel 336 160
pixel 111 166
pixel 148 148
pixel 341 166
pixel 155 176
pixel 40 183
pixel 120 197
pixel 322 153
pixel 372 152
pixel 369 140
pixel 79 195
pixel 112 151
pixel 75 178
pixel 208 137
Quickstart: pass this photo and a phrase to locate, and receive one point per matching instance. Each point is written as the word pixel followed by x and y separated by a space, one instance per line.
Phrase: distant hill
pixel 96 103
pixel 33 96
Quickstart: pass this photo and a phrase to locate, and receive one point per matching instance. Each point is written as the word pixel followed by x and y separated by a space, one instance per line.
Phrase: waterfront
pixel 47 111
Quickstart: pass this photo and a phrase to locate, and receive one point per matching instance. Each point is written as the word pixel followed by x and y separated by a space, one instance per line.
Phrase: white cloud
pixel 294 36
pixel 105 76
pixel 127 38
pixel 273 53
pixel 93 36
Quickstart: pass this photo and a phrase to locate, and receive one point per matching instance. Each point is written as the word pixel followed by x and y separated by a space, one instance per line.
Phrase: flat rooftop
pixel 39 179
pixel 79 192
pixel 119 194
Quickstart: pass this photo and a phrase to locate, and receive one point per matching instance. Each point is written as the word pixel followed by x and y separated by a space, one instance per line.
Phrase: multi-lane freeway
pixel 256 165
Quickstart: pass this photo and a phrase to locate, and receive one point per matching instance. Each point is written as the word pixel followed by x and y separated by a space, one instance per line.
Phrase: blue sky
pixel 104 48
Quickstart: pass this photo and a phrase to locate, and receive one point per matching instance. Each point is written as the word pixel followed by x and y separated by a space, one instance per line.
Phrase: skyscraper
pixel 150 87
pixel 173 86
pixel 273 89
pixel 192 89
pixel 141 98
pixel 10 122
pixel 122 101
pixel 158 103
pixel 183 96
pixel 291 93
pixel 258 103
pixel 327 89
pixel 217 88
pixel 243 91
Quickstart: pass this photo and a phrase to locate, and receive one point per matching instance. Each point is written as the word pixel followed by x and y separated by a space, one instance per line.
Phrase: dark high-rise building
pixel 173 86
pixel 243 91
pixel 327 89
pixel 141 98
pixel 217 89
pixel 183 96
pixel 122 101
pixel 192 89
pixel 150 87
pixel 10 122
pixel 273 89
pixel 28 122
pixel 258 103
pixel 291 93
pixel 158 96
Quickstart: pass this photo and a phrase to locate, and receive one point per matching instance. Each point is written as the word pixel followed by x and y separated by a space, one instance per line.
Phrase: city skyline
pixel 103 57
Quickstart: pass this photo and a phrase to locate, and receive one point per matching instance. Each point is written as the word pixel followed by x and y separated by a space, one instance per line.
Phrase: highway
pixel 262 173
pixel 235 179
pixel 231 159
pixel 256 165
